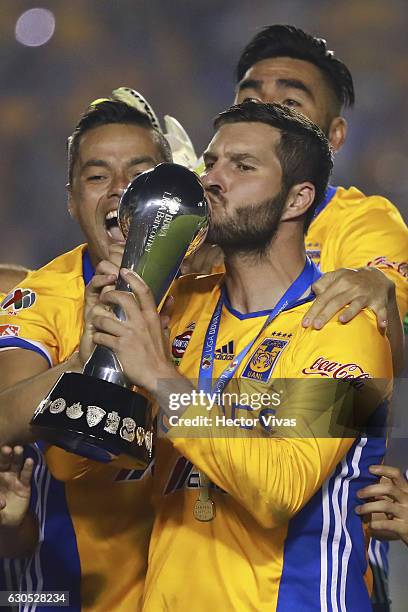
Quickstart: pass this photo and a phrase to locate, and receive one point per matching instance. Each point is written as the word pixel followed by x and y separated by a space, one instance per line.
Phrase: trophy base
pixel 96 419
pixel 74 442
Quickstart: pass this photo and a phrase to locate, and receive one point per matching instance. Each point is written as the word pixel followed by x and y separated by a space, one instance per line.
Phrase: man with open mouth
pixel 90 544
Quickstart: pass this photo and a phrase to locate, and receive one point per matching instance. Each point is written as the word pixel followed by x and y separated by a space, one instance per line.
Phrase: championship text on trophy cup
pixel 96 414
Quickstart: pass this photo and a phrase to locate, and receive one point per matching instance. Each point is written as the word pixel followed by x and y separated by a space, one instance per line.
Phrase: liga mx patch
pixel 263 359
pixel 17 300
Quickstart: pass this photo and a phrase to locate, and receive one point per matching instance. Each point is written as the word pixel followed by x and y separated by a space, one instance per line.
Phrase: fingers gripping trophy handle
pixel 103 363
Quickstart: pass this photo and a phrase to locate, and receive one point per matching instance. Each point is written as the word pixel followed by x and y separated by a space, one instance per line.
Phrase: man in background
pixel 350 230
pixel 284 64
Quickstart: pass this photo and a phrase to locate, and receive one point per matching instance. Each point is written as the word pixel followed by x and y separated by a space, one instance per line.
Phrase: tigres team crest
pixel 17 300
pixel 263 359
pixel 180 343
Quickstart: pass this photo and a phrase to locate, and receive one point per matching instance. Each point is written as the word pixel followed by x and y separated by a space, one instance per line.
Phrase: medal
pixel 204 508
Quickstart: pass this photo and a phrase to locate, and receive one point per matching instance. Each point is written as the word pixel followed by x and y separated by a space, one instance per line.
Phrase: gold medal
pixel 204 508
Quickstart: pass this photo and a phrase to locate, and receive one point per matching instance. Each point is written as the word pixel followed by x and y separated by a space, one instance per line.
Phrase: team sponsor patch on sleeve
pixel 351 372
pixel 17 300
pixel 263 359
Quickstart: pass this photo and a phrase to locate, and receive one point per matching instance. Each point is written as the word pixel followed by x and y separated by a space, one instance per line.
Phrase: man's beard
pixel 250 228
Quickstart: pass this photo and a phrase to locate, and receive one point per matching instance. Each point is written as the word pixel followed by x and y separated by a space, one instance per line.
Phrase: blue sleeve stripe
pixel 377 554
pixel 328 536
pixel 30 345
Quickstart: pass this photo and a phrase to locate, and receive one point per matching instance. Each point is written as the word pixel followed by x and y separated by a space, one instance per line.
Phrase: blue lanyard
pixel 306 278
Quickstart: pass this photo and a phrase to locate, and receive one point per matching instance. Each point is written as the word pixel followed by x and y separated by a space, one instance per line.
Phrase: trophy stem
pixel 104 364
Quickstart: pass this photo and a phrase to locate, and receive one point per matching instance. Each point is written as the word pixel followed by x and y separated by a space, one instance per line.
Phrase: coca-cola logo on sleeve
pixel 350 371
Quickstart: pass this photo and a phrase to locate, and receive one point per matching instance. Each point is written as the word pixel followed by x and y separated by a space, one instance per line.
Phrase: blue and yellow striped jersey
pixel 285 535
pixel 95 519
pixel 352 230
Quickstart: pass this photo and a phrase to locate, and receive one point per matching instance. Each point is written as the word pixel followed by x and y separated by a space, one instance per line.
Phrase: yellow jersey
pixel 352 230
pixel 95 519
pixel 285 535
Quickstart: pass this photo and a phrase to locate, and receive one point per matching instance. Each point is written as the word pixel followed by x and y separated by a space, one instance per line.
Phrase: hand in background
pixel 15 489
pixel 387 504
pixel 357 289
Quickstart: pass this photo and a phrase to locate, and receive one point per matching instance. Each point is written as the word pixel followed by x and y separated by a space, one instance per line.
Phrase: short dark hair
pixel 105 112
pixel 289 41
pixel 303 151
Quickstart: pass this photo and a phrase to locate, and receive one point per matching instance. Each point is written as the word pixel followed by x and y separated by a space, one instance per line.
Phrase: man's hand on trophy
pixel 106 275
pixel 139 342
pixel 103 280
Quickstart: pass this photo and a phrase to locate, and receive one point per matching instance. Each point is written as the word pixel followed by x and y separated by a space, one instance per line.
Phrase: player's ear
pixel 299 200
pixel 337 133
pixel 72 209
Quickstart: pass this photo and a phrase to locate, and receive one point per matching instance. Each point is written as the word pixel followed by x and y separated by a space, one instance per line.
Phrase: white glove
pixel 131 97
pixel 180 143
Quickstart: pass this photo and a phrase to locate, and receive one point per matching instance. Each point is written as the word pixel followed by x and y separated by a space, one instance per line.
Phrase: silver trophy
pixel 97 414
